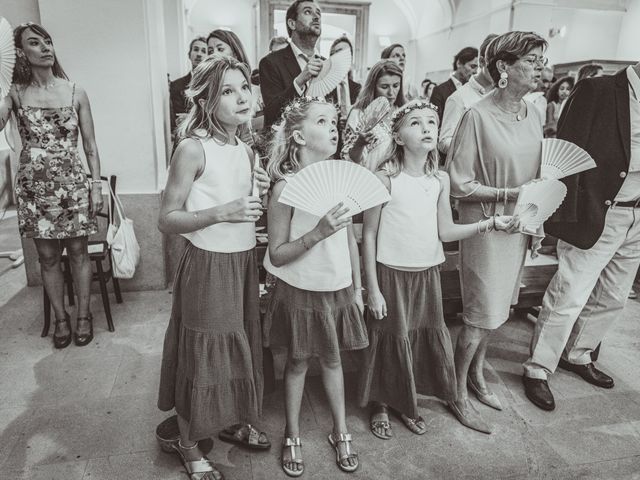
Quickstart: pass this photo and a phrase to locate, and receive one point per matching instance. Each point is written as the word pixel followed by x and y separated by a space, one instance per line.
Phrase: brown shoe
pixel 539 393
pixel 589 373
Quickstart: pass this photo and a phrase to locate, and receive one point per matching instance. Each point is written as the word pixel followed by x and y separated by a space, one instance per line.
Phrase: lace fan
pixel 318 188
pixel 375 113
pixel 561 159
pixel 7 57
pixel 334 70
pixel 537 202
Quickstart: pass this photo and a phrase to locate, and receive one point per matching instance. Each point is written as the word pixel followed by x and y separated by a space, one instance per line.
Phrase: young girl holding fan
pixel 212 358
pixel 316 306
pixel 410 349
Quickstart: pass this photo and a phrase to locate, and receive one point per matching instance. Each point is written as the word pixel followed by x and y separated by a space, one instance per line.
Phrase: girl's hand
pixel 377 304
pixel 507 223
pixel 331 222
pixel 246 209
pixel 96 203
pixel 367 138
pixel 358 299
pixel 262 179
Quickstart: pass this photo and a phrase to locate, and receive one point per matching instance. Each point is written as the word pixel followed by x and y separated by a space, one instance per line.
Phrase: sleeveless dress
pixel 410 350
pixel 52 187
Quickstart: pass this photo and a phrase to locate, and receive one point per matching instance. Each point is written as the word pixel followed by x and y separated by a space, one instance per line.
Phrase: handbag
pixel 125 251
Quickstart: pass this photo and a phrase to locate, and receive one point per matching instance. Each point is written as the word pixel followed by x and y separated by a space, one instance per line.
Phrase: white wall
pixel 112 49
pixel 629 43
pixel 20 11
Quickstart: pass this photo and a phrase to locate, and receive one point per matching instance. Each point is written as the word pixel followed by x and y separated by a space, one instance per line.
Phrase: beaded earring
pixel 502 83
pixel 22 69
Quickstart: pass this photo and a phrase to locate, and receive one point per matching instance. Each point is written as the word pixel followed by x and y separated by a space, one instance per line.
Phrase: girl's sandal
pixel 380 420
pixel 292 443
pixel 416 425
pixel 334 440
pixel 245 435
pixel 201 469
pixel 168 434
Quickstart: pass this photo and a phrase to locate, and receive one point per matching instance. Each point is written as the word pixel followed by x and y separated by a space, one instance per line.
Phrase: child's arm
pixel 375 300
pixel 186 166
pixel 283 251
pixel 448 231
pixel 354 257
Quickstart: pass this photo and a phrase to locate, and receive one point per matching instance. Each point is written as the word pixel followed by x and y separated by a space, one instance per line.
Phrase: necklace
pixel 46 86
pixel 517 114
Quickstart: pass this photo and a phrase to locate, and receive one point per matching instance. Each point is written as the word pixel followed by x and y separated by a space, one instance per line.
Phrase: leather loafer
pixel 589 373
pixel 539 393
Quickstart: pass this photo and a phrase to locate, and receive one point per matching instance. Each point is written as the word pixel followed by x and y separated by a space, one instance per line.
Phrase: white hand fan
pixel 561 159
pixel 7 57
pixel 537 202
pixel 375 113
pixel 318 188
pixel 334 70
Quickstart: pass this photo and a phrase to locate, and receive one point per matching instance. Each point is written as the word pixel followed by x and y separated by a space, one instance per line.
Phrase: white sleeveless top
pixel 325 267
pixel 408 229
pixel 226 177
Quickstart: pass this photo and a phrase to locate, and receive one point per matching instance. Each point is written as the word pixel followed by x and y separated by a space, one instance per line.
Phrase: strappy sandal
pixel 413 424
pixel 346 439
pixel 292 443
pixel 379 419
pixel 245 436
pixel 83 339
pixel 198 469
pixel 64 340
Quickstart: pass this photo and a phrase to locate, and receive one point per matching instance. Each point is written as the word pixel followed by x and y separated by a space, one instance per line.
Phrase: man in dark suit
pixel 178 102
pixel 285 73
pixel 598 227
pixel 465 65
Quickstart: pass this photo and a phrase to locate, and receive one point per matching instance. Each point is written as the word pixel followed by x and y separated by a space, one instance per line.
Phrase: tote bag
pixel 125 251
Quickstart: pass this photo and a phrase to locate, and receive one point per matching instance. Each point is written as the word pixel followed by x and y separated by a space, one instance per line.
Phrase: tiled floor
pixel 89 413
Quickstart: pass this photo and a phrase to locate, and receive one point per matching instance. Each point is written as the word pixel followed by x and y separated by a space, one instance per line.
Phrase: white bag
pixel 125 251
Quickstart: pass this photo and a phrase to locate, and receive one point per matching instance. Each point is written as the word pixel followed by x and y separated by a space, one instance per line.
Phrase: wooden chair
pixel 99 251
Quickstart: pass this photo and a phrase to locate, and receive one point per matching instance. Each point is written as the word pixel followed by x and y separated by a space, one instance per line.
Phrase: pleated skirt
pixel 212 359
pixel 313 324
pixel 410 350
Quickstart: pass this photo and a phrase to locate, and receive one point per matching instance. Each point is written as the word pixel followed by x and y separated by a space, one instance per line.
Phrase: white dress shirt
pixel 458 103
pixel 540 102
pixel 630 189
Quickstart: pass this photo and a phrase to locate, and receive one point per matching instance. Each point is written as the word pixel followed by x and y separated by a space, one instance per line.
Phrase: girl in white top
pixel 316 306
pixel 410 349
pixel 212 358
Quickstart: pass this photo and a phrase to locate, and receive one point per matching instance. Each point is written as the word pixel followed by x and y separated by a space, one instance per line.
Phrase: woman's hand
pixel 512 193
pixel 332 221
pixel 246 209
pixel 358 300
pixel 96 202
pixel 507 223
pixel 377 304
pixel 262 180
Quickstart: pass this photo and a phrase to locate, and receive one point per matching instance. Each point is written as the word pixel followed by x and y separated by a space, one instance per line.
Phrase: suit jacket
pixel 440 94
pixel 596 117
pixel 277 71
pixel 177 100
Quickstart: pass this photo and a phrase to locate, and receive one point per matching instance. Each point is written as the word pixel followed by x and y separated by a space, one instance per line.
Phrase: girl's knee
pixel 298 366
pixel 330 363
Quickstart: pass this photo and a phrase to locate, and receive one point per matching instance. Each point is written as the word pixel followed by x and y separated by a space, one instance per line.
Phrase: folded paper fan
pixel 537 202
pixel 7 57
pixel 334 70
pixel 561 159
pixel 375 113
pixel 318 188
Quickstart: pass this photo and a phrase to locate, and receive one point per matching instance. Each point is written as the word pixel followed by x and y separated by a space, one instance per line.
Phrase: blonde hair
pixel 394 164
pixel 283 150
pixel 206 84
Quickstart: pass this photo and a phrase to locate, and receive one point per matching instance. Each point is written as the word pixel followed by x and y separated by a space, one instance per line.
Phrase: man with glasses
pixel 538 96
pixel 598 227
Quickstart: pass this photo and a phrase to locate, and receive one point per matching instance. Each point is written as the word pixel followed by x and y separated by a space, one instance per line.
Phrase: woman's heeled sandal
pixel 83 339
pixel 62 341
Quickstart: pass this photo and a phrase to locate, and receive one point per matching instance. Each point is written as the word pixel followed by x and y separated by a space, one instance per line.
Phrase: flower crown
pixel 402 111
pixel 295 105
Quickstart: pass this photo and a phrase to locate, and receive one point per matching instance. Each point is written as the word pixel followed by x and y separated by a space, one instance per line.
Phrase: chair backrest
pixel 112 179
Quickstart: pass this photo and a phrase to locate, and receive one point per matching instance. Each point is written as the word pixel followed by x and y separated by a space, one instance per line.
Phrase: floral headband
pixel 402 111
pixel 295 105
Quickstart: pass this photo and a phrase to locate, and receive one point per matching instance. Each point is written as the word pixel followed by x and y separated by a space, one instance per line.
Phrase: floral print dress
pixel 52 187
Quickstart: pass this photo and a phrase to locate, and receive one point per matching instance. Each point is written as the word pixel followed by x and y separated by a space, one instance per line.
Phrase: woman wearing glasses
pixel 495 150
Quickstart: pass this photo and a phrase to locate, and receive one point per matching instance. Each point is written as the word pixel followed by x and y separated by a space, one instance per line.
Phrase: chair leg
pixel 116 288
pixel 105 295
pixel 68 280
pixel 47 314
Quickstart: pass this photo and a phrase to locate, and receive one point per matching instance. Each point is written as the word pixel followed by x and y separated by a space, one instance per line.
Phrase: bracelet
pixel 304 244
pixel 494 223
pixel 96 181
pixel 478 226
pixel 497 195
pixel 186 448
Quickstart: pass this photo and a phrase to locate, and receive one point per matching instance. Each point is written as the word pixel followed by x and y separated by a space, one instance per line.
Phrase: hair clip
pixel 418 105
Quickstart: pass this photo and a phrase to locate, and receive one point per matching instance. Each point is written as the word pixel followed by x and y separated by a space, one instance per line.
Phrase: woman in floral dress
pixel 57 203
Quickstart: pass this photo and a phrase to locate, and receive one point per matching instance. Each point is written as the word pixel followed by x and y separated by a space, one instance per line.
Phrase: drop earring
pixel 502 83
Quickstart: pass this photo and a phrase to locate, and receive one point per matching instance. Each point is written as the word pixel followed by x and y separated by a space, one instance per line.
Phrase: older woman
pixel 370 147
pixel 57 202
pixel 396 54
pixel 495 150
